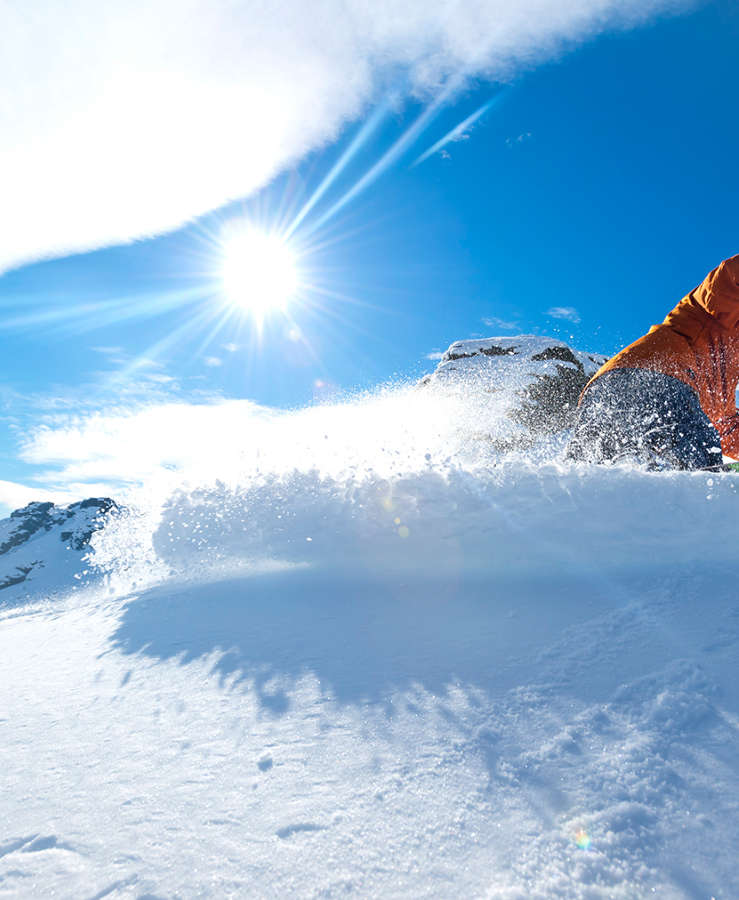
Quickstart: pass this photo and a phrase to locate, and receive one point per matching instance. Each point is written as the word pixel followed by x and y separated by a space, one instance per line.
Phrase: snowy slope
pixel 385 659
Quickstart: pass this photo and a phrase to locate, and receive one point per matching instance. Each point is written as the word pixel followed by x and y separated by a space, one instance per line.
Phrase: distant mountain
pixel 43 545
pixel 536 381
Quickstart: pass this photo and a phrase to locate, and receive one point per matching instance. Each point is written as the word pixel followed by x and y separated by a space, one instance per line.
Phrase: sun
pixel 259 274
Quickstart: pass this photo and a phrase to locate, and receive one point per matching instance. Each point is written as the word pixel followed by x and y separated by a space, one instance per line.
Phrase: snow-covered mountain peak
pixel 43 536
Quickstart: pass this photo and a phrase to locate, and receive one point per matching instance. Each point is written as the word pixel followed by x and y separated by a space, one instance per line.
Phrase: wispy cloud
pixel 521 139
pixel 159 378
pixel 13 495
pixel 435 355
pixel 564 312
pixel 118 122
pixel 502 324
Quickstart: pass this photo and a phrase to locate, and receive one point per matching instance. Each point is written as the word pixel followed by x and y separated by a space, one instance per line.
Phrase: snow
pixel 387 662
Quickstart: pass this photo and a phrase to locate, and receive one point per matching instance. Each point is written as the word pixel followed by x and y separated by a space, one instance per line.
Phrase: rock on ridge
pixel 538 380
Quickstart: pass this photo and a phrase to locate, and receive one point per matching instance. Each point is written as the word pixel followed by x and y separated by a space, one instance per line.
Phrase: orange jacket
pixel 698 343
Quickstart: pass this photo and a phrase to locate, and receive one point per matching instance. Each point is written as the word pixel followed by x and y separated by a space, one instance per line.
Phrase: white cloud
pixel 124 120
pixel 159 378
pixel 213 361
pixel 14 495
pixel 564 312
pixel 495 322
pixel 106 450
pixel 435 355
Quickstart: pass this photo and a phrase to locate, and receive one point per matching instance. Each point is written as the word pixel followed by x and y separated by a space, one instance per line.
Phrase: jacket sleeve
pixel 728 429
pixel 719 293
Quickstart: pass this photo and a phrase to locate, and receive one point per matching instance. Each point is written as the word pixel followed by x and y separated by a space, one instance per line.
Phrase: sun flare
pixel 258 272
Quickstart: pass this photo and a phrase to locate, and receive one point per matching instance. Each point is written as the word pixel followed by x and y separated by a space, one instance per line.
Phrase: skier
pixel 668 399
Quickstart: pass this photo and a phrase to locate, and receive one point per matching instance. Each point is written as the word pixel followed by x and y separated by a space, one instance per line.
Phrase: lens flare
pixel 582 839
pixel 259 273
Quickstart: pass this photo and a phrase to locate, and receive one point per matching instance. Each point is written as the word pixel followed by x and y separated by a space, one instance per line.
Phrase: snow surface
pixel 371 656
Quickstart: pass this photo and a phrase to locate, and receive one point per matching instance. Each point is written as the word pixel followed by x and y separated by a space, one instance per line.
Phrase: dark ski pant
pixel 645 417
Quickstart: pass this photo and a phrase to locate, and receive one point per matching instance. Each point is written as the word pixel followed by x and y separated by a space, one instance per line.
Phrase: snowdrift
pixel 390 647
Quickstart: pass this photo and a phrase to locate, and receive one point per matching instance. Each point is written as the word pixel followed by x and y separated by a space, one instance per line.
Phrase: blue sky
pixel 597 189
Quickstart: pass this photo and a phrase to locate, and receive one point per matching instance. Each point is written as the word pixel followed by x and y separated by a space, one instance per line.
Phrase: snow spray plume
pixel 407 479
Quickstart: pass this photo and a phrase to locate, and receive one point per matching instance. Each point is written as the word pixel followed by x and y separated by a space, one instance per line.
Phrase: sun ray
pixel 392 154
pixel 78 318
pixel 155 351
pixel 360 139
pixel 458 130
pixel 318 290
pixel 227 315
